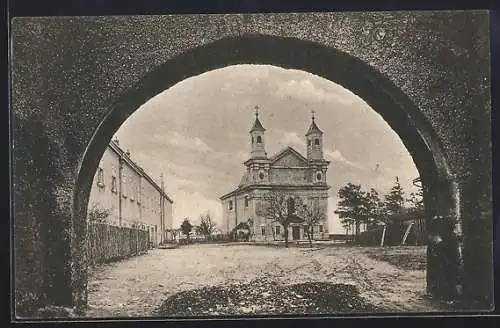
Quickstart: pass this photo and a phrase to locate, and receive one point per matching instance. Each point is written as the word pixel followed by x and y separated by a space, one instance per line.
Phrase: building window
pixel 278 230
pixel 263 230
pixel 309 142
pixel 316 142
pixel 318 176
pixel 100 177
pixel 259 139
pixel 320 228
pixel 113 184
pixel 252 139
pixel 246 201
pixel 124 186
pixel 261 175
pixel 230 207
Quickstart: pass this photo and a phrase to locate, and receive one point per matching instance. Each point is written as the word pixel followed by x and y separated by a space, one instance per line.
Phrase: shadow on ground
pixel 266 297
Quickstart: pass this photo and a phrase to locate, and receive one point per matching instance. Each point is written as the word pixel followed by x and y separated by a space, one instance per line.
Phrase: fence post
pixel 383 236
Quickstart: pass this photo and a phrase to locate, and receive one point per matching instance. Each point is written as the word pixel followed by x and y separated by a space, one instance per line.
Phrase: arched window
pixel 291 206
pixel 246 201
pixel 316 142
pixel 259 139
pixel 100 177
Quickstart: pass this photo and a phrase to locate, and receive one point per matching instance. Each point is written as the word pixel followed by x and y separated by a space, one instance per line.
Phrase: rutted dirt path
pixel 136 287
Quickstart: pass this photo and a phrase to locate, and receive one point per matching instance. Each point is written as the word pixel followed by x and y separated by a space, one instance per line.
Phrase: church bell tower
pixel 257 138
pixel 314 137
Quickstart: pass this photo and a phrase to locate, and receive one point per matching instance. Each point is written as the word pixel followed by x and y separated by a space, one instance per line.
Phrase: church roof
pixel 244 179
pixel 257 126
pixel 285 151
pixel 313 128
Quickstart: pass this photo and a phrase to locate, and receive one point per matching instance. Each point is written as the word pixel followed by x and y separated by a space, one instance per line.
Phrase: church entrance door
pixel 296 233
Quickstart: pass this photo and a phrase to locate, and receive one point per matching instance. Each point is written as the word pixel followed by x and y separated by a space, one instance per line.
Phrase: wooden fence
pixel 394 234
pixel 110 243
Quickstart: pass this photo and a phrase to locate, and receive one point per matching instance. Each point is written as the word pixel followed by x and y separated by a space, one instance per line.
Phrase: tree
pixel 97 214
pixel 416 202
pixel 313 215
pixel 375 208
pixel 186 227
pixel 207 226
pixel 282 207
pixel 353 206
pixel 394 201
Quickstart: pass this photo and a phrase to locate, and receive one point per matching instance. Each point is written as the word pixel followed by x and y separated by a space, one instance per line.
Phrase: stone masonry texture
pixel 70 74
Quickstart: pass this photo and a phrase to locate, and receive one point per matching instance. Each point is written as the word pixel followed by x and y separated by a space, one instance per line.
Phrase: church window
pixel 261 175
pixel 316 142
pixel 263 230
pixel 246 201
pixel 100 177
pixel 259 139
pixel 278 230
pixel 230 205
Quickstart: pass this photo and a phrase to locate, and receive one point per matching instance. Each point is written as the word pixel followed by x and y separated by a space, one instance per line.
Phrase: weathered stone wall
pixel 289 175
pixel 70 74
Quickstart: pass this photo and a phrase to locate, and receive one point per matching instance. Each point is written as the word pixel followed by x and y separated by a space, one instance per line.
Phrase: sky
pixel 196 134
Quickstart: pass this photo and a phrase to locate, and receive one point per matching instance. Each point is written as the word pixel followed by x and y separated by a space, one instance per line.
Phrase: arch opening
pixel 378 91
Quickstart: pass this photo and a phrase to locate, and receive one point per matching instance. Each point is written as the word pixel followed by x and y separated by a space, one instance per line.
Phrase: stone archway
pixel 75 80
pixel 391 103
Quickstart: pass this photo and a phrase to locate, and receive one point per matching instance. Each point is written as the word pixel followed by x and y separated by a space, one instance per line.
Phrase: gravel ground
pixel 137 287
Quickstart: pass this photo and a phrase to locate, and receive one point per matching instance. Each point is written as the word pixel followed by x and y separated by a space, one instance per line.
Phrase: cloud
pixel 192 205
pixel 335 155
pixel 306 90
pixel 292 138
pixel 193 143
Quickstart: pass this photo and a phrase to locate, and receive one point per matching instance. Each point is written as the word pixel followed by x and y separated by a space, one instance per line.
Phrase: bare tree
pixel 97 214
pixel 313 215
pixel 207 226
pixel 282 207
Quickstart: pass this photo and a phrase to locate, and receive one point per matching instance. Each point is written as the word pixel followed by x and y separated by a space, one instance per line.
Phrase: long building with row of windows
pixel 131 196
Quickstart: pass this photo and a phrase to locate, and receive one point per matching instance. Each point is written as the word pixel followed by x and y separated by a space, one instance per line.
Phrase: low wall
pixel 109 243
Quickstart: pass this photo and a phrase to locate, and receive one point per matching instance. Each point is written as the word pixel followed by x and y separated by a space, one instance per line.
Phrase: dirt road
pixel 137 286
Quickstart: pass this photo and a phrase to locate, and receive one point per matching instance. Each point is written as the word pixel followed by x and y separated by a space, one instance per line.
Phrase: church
pixel 302 178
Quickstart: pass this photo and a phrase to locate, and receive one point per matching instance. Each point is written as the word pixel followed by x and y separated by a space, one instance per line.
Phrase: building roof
pixel 273 186
pixel 139 170
pixel 257 126
pixel 285 151
pixel 313 128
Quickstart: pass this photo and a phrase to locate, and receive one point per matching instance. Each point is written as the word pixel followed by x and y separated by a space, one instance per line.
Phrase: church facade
pixel 288 172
